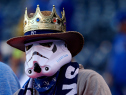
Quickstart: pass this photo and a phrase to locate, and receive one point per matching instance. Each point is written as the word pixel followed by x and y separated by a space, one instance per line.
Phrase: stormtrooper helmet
pixel 45 57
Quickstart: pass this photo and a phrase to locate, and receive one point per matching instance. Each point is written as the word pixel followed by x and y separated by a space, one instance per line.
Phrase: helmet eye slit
pixel 49 44
pixel 65 45
pixel 28 47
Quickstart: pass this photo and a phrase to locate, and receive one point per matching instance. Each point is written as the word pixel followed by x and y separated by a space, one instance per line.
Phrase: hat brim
pixel 74 40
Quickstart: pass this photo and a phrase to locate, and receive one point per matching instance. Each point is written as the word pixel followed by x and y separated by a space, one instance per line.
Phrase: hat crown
pixel 44 20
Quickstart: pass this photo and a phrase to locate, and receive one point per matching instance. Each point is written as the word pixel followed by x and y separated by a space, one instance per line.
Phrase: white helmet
pixel 45 57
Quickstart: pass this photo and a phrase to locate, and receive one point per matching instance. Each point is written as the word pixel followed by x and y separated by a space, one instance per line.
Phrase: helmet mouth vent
pixel 37 68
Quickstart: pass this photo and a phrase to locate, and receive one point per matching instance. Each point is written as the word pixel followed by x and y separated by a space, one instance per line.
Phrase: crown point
pixel 44 20
pixel 63 8
pixel 26 8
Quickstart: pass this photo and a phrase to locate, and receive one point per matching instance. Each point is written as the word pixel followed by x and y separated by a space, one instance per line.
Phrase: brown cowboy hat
pixel 74 40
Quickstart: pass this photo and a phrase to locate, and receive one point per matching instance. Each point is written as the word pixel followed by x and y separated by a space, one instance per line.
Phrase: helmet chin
pixel 37 66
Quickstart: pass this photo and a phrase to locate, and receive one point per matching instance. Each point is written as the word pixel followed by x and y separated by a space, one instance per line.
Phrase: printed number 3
pixel 69 70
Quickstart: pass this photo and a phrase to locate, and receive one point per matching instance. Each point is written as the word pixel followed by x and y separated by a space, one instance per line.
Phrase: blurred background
pixel 101 22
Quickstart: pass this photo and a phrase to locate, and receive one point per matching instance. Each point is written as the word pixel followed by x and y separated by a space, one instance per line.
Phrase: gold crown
pixel 44 20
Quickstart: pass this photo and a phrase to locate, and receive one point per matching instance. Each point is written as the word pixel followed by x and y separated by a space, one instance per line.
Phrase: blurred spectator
pixel 16 62
pixel 6 51
pixel 9 83
pixel 117 61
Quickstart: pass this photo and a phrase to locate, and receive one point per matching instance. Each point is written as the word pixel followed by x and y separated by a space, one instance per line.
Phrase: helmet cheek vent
pixel 29 71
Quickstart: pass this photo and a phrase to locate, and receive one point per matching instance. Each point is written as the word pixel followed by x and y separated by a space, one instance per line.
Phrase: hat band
pixel 33 32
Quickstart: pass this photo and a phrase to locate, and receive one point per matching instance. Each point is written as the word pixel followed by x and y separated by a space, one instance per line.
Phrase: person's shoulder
pixel 8 80
pixel 6 71
pixel 4 67
pixel 88 73
pixel 89 80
